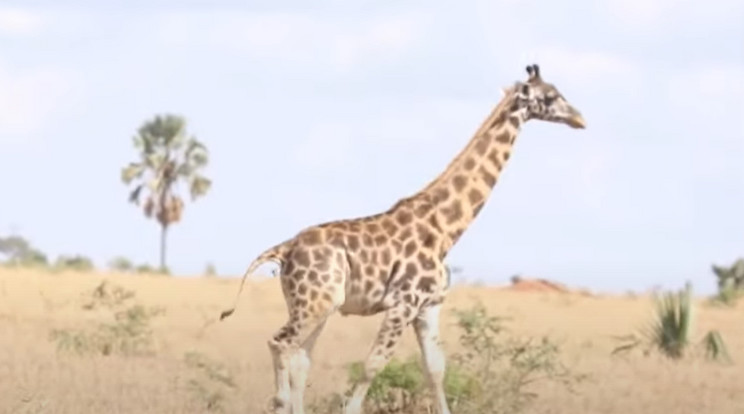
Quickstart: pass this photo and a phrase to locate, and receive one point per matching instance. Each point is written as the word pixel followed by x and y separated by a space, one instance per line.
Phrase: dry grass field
pixel 37 378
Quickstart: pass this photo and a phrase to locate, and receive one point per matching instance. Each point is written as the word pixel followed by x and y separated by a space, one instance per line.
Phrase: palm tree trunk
pixel 163 237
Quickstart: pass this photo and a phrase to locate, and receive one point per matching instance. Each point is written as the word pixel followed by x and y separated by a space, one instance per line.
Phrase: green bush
pixel 495 375
pixel 77 263
pixel 18 252
pixel 491 375
pixel 210 270
pixel 152 270
pixel 121 264
pixel 730 281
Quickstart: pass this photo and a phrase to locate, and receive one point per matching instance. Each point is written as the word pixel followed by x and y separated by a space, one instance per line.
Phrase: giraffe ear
pixel 533 71
pixel 536 70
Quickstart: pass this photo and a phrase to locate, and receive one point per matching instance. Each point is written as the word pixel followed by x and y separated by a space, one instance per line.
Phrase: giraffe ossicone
pixel 393 262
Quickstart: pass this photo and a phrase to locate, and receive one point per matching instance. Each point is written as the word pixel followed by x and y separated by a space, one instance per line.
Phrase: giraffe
pixel 393 262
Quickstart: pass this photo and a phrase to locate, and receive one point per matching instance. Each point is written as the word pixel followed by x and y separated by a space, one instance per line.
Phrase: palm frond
pixel 199 186
pixel 185 170
pixel 155 160
pixel 155 185
pixel 134 195
pixel 196 154
pixel 132 171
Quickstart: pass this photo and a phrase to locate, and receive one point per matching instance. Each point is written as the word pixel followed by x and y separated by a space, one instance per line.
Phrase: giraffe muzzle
pixel 576 121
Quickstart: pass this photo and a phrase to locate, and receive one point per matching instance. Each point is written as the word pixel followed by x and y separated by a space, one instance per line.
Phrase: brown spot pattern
pixel 301 257
pixel 469 164
pixel 353 242
pixel 459 182
pixel 453 212
pixel 422 210
pixel 441 194
pixel 404 217
pixel 389 227
pixel 475 196
pixel 503 137
pixel 426 284
pixel 487 177
pixel 410 248
pixel 481 145
pixel 493 156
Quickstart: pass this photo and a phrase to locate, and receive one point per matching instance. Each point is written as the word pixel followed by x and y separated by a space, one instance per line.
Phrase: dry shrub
pixel 209 381
pixel 129 332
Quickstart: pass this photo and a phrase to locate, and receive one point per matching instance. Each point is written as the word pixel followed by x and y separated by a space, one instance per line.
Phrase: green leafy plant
pixel 492 374
pixel 732 276
pixel 730 281
pixel 715 347
pixel 397 386
pixel 495 375
pixel 670 330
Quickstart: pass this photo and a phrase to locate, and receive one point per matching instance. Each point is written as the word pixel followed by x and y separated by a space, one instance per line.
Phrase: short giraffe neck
pixel 462 189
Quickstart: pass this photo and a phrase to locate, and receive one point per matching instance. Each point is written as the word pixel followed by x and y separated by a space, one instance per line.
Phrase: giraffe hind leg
pixel 310 303
pixel 300 365
pixel 396 319
pixel 291 349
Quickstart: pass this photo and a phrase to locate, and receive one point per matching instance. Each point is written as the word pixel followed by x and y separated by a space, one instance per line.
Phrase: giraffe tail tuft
pixel 226 313
pixel 276 253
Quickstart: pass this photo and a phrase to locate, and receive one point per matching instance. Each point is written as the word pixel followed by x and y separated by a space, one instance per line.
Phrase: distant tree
pixel 210 270
pixel 78 263
pixel 167 158
pixel 19 252
pixel 121 264
pixel 731 277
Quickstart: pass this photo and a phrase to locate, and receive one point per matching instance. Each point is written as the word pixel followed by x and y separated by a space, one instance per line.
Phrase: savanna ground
pixel 195 363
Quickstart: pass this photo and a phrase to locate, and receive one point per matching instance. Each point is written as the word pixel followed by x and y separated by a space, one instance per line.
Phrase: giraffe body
pixel 393 262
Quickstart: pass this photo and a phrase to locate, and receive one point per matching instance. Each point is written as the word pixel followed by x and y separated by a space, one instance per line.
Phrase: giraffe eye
pixel 549 100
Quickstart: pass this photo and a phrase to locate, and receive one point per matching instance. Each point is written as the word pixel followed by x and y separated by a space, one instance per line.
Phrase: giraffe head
pixel 541 100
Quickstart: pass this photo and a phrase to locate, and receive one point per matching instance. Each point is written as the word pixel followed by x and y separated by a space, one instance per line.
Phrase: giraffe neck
pixel 462 189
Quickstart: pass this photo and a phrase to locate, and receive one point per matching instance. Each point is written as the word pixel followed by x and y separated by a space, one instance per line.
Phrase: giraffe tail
pixel 276 253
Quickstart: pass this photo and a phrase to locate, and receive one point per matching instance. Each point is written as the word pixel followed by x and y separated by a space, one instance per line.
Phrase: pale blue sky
pixel 337 110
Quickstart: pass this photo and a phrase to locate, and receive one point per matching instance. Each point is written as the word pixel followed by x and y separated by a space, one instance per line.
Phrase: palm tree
pixel 167 157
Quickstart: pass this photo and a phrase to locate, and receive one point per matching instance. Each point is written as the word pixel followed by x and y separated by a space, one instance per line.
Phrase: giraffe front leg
pixel 427 334
pixel 396 319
